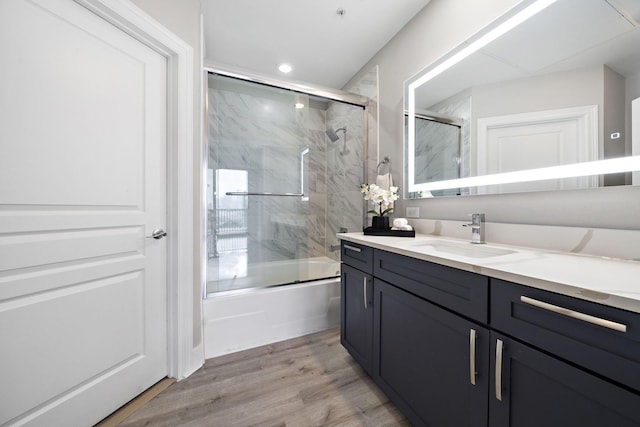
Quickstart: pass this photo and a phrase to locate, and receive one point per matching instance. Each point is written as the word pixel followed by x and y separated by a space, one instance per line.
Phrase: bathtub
pixel 272 274
pixel 246 316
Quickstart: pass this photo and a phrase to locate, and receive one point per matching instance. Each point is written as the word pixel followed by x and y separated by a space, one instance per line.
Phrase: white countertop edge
pixel 509 269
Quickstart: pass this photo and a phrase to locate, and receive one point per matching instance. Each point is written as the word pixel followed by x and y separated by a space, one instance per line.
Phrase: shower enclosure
pixel 283 175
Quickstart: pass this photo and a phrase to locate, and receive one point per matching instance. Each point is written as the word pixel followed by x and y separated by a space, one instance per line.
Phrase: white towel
pixel 384 181
pixel 400 222
pixel 403 228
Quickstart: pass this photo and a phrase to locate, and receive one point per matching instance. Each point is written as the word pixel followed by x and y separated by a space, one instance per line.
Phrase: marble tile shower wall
pixel 367 85
pixel 267 136
pixel 434 159
pixel 461 109
pixel 345 171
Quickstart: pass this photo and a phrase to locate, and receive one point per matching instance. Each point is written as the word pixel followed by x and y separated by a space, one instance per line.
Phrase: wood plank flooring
pixel 306 381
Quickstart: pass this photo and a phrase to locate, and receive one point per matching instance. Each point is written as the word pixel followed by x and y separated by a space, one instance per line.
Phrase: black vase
pixel 380 222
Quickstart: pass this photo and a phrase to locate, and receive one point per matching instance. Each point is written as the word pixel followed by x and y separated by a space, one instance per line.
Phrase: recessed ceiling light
pixel 299 105
pixel 285 68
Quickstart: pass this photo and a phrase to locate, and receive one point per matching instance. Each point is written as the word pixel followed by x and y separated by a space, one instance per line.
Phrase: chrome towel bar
pixel 245 193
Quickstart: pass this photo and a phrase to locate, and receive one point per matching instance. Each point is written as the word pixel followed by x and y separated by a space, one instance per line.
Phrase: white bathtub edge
pixel 238 322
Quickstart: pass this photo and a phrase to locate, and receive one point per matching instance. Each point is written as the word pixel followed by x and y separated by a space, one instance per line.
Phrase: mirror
pixel 548 105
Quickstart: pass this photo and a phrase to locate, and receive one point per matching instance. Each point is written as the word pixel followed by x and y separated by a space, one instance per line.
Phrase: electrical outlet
pixel 412 212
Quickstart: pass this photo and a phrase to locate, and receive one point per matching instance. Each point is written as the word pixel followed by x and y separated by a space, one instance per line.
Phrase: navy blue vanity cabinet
pixel 562 361
pixel 530 388
pixel 431 343
pixel 356 303
pixel 454 348
pixel 433 364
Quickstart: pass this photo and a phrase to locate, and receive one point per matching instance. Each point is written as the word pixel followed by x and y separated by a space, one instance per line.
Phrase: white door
pixel 537 140
pixel 82 182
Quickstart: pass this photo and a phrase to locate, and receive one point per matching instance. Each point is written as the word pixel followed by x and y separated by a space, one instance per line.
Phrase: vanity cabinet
pixel 434 365
pixel 577 360
pixel 431 349
pixel 356 291
pixel 530 388
pixel 454 348
pixel 602 339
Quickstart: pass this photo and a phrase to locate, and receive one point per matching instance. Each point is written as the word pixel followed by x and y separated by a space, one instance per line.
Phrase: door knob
pixel 157 234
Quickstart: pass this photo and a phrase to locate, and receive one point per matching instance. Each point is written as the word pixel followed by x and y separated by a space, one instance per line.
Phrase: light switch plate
pixel 412 212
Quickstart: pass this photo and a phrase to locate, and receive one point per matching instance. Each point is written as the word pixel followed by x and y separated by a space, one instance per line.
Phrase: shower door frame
pixel 306 89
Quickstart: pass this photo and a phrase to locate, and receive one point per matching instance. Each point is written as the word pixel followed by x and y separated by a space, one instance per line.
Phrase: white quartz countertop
pixel 608 281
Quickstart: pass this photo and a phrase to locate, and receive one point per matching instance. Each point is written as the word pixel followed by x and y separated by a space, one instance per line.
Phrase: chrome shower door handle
pixel 157 234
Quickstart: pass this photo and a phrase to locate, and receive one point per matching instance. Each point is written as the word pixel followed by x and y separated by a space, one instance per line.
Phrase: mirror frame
pixel 514 17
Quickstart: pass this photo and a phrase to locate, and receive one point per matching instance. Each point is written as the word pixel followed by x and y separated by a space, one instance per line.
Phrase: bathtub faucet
pixel 334 248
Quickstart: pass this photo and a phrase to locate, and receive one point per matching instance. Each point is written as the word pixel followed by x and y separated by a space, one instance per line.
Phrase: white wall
pixel 442 25
pixel 547 92
pixel 632 91
pixel 599 86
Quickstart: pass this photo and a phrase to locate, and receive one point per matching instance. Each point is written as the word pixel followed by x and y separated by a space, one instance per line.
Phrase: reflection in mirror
pixel 556 90
pixel 437 149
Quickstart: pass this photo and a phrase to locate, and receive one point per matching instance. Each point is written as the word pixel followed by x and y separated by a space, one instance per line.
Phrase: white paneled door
pixel 83 296
pixel 535 140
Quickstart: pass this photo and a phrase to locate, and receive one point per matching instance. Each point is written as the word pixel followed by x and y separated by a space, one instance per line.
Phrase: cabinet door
pixel 536 389
pixel 427 359
pixel 356 323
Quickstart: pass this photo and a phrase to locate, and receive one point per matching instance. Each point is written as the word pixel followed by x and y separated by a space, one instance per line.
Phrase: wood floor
pixel 306 381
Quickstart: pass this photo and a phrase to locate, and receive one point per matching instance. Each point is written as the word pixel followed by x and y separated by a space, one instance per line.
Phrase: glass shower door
pixel 269 163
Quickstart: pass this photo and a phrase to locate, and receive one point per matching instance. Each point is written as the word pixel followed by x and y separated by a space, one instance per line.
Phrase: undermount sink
pixel 466 249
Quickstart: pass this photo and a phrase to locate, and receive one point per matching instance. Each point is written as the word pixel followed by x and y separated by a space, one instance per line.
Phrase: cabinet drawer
pixel 358 256
pixel 461 291
pixel 599 338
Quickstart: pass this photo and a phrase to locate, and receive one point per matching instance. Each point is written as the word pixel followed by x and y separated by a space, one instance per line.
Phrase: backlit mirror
pixel 553 103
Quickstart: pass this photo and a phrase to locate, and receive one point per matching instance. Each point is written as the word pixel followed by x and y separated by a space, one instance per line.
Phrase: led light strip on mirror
pixel 598 167
pixel 524 11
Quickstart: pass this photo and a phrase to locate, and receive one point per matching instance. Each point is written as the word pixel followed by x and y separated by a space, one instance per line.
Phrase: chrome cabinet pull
pixel 364 291
pixel 499 345
pixel 575 314
pixel 472 356
pixel 352 248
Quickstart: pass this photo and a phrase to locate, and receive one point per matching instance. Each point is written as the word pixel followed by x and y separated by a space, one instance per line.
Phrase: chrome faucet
pixel 477 228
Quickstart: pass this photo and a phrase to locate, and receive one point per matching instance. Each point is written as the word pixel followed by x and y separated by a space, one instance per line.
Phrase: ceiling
pixel 324 48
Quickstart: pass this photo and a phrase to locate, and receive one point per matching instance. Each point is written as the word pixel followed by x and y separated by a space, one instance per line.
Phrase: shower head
pixel 333 134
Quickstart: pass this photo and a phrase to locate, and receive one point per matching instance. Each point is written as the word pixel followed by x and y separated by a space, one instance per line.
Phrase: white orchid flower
pixel 379 197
